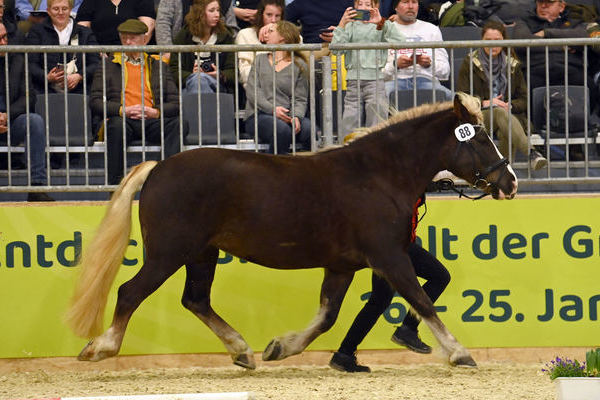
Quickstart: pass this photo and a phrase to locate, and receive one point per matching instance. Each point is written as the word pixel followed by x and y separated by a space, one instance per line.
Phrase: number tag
pixel 464 132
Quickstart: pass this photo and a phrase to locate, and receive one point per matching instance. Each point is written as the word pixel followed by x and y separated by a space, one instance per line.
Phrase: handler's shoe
pixel 410 339
pixel 346 363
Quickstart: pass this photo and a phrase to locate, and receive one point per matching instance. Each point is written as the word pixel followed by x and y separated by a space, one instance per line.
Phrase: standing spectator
pixel 169 19
pixel 141 109
pixel 289 111
pixel 400 67
pixel 551 19
pixel 496 103
pixel 245 12
pixel 104 16
pixel 60 29
pixel 8 17
pixel 204 25
pixel 269 11
pixel 318 18
pixel 365 89
pixel 21 113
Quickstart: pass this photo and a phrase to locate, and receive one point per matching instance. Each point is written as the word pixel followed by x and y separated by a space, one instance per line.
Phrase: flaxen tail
pixel 101 260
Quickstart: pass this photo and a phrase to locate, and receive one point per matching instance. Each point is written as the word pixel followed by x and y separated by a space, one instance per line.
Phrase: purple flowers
pixel 564 367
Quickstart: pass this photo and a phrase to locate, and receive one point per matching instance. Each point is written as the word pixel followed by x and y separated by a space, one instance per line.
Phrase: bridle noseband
pixel 481 181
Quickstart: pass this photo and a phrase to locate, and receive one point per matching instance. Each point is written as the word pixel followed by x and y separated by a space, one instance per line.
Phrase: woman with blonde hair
pixel 289 71
pixel 204 25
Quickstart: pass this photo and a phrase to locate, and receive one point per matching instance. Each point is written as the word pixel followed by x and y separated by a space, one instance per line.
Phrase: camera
pixel 206 66
pixel 362 15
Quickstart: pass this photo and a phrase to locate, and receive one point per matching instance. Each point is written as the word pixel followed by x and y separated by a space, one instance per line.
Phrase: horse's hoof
pixel 464 362
pixel 245 361
pixel 90 354
pixel 273 351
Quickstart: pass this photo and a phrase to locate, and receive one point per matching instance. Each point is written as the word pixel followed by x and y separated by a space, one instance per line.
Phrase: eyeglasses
pixel 548 1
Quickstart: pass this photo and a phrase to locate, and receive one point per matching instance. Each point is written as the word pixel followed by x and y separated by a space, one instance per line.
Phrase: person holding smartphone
pixel 59 28
pixel 365 92
pixel 204 25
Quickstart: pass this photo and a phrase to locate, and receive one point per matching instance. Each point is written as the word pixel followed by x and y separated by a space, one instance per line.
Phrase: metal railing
pixel 88 173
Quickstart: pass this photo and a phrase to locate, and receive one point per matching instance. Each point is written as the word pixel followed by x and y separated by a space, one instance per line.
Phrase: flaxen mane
pixel 472 104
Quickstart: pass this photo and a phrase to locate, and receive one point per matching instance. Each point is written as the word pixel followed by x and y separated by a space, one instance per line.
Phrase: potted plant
pixel 575 380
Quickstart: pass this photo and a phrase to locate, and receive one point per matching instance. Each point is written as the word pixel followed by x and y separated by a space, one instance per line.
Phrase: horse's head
pixel 475 157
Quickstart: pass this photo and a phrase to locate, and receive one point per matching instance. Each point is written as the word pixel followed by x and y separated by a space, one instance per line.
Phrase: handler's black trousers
pixel 133 131
pixel 426 266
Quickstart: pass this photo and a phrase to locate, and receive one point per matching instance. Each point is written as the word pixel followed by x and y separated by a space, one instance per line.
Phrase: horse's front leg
pixel 334 288
pixel 398 270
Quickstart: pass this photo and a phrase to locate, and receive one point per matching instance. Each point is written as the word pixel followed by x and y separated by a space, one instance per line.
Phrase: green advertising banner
pixel 524 273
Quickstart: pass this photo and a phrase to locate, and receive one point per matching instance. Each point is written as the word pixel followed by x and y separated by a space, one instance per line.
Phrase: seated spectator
pixel 204 25
pixel 363 67
pixel 269 11
pixel 318 18
pixel 401 68
pixel 103 17
pixel 140 108
pixel 289 111
pixel 245 12
pixel 15 124
pixel 26 7
pixel 551 19
pixel 170 15
pixel 60 29
pixel 496 103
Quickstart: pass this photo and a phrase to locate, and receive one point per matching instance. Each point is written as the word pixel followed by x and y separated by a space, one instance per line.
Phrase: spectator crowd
pixel 276 113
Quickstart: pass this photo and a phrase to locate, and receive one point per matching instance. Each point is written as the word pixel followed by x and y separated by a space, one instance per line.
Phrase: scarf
pixel 499 82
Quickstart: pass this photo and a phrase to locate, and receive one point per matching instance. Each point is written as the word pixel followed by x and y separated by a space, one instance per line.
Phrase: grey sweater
pixel 284 80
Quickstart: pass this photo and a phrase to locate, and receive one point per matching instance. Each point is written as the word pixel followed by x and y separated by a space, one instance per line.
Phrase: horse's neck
pixel 414 159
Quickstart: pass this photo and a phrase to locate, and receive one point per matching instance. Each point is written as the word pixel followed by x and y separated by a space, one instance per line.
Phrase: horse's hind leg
pixel 130 296
pixel 334 288
pixel 196 298
pixel 399 272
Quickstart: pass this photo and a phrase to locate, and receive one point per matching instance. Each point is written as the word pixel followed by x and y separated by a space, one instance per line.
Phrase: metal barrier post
pixel 327 98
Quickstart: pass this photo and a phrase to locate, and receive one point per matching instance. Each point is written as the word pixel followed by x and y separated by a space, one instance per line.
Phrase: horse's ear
pixel 467 108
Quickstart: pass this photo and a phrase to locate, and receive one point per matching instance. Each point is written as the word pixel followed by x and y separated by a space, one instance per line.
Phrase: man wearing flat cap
pixel 141 111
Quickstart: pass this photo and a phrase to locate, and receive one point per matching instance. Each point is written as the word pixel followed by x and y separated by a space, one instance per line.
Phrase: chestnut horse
pixel 342 210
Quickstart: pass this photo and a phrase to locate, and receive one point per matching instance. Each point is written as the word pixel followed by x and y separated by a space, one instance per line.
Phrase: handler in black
pixel 427 267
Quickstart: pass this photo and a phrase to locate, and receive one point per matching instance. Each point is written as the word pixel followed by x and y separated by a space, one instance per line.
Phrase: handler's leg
pixel 334 288
pixel 396 266
pixel 437 276
pixel 381 296
pixel 196 298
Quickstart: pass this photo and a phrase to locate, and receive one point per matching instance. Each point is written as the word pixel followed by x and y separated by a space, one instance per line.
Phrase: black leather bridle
pixel 481 181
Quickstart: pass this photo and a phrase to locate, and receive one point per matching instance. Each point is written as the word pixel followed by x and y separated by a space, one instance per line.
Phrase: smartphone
pixel 362 15
pixel 60 66
pixel 325 30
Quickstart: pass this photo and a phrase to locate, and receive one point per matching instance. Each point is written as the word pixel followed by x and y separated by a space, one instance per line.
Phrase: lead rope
pixel 448 184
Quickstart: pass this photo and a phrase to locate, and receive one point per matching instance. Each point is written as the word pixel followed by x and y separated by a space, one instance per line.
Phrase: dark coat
pixel 17 96
pixel 170 105
pixel 226 60
pixel 481 85
pixel 567 25
pixel 43 34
